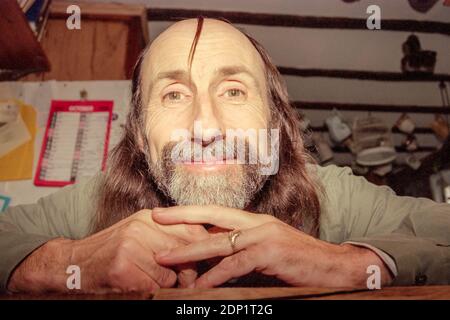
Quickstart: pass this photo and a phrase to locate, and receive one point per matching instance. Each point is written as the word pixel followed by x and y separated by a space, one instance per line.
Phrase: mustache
pixel 218 150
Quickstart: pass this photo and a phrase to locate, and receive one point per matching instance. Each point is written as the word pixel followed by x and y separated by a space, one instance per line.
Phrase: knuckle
pixel 274 226
pixel 126 244
pixel 134 227
pixel 187 274
pixel 172 244
pixel 117 273
pixel 165 277
pixel 234 262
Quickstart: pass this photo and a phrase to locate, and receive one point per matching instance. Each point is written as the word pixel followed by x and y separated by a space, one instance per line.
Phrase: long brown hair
pixel 292 195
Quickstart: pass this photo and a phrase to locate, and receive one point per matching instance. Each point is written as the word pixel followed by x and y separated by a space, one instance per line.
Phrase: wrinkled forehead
pixel 220 45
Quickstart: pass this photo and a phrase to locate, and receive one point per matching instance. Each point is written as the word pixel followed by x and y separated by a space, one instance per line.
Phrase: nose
pixel 208 123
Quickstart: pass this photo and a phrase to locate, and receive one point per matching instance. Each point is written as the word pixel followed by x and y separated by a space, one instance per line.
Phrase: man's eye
pixel 234 93
pixel 173 96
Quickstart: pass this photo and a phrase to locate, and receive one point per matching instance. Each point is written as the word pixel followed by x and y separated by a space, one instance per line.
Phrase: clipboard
pixel 75 143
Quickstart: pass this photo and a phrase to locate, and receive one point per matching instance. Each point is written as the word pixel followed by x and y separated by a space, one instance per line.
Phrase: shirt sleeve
pixel 414 232
pixel 24 228
pixel 388 261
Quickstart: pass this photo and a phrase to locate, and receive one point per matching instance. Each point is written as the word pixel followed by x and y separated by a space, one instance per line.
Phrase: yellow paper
pixel 18 164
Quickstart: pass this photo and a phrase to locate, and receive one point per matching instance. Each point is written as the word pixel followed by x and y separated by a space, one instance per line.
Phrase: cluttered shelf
pixel 20 50
pixel 310 105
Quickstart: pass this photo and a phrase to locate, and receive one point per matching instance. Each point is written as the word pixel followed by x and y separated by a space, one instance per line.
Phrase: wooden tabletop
pixel 419 293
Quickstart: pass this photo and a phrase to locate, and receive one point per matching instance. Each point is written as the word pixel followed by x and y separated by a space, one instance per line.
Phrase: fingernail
pixel 191 286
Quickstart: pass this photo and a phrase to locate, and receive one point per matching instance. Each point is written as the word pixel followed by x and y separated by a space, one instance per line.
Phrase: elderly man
pixel 153 221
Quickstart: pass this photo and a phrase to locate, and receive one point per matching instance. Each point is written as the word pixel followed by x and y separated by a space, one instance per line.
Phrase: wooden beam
pixel 417 130
pixel 306 105
pixel 363 75
pixel 286 20
pixel 283 20
pixel 398 149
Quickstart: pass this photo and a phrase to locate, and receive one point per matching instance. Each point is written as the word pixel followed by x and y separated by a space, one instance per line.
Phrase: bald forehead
pixel 214 33
pixel 220 46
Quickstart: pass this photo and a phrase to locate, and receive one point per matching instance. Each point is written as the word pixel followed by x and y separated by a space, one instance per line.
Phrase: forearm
pixel 353 263
pixel 44 269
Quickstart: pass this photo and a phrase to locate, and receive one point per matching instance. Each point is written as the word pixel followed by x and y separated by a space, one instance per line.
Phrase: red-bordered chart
pixel 75 143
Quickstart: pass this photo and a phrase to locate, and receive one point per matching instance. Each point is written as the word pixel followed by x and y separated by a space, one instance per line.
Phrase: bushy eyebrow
pixel 223 72
pixel 178 75
pixel 229 71
pixel 174 75
pixel 232 70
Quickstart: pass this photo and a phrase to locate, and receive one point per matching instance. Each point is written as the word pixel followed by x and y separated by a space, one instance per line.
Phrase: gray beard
pixel 233 187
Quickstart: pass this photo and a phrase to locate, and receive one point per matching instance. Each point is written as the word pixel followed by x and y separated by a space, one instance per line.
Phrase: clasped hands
pixel 159 248
pixel 266 245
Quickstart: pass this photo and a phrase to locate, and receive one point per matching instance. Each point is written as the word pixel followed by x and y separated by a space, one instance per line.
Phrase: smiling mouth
pixel 211 162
